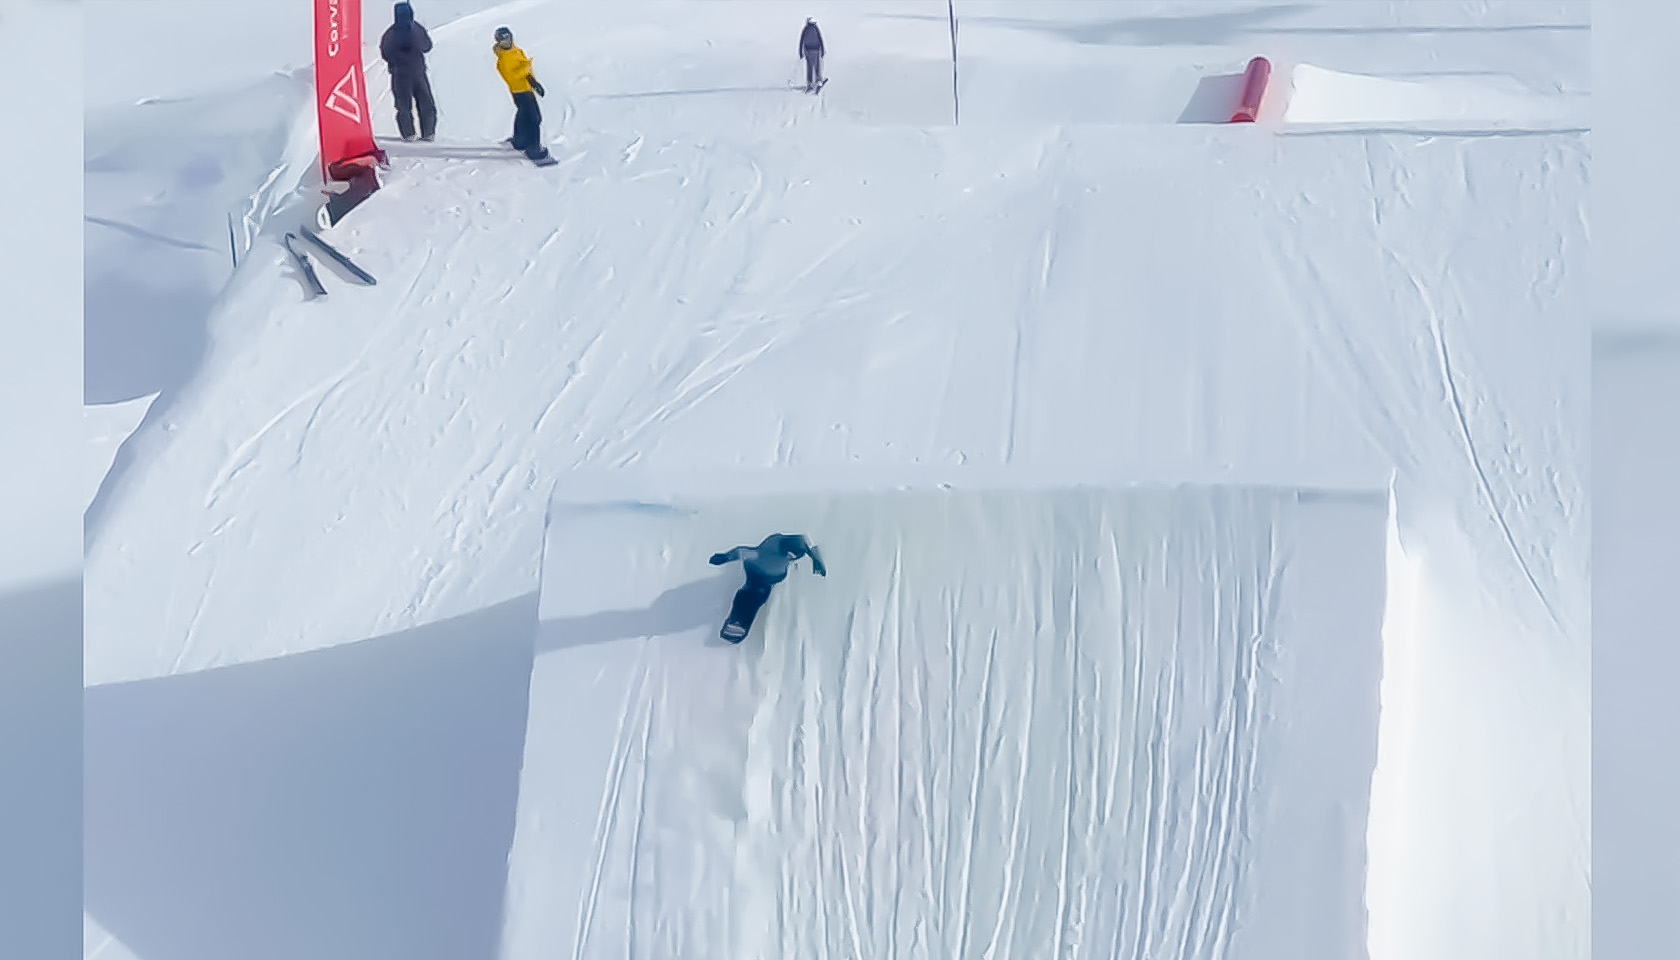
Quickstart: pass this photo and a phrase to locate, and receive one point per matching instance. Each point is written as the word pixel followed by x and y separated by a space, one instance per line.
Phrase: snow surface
pixel 1085 283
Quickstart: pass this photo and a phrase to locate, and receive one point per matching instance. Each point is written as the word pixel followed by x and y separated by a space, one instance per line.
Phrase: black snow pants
pixel 527 126
pixel 749 599
pixel 414 91
pixel 813 68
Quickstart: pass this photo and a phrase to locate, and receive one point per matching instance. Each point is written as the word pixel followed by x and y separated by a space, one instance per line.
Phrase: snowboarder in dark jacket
pixel 403 48
pixel 811 51
pixel 766 565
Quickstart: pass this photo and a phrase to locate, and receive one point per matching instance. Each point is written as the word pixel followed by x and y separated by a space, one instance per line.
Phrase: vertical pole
pixel 951 11
pixel 233 249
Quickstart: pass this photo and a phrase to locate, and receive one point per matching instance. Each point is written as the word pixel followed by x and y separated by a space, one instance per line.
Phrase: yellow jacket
pixel 515 68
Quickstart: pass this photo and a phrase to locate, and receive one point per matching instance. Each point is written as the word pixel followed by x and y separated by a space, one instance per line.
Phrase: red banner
pixel 341 100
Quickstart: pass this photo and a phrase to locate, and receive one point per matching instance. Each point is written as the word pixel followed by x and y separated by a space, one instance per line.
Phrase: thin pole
pixel 951 11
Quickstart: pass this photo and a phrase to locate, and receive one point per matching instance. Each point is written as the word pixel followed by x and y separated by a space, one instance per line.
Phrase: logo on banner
pixel 344 100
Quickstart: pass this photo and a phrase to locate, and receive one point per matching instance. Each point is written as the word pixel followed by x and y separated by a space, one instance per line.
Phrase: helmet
pixel 504 35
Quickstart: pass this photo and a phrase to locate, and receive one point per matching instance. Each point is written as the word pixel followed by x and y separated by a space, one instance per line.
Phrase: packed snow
pixel 1253 455
pixel 1141 724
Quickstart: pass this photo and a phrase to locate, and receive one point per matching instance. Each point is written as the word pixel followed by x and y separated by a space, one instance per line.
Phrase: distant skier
pixel 811 51
pixel 766 565
pixel 515 68
pixel 403 48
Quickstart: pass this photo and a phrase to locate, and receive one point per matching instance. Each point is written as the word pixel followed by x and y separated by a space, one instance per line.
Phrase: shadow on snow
pixel 696 605
pixel 341 804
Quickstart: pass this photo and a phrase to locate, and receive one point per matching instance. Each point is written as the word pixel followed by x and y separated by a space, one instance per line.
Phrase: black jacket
pixel 405 43
pixel 810 40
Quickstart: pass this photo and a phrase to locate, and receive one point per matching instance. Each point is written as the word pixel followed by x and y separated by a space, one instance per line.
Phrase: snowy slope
pixel 1008 720
pixel 725 274
pixel 193 139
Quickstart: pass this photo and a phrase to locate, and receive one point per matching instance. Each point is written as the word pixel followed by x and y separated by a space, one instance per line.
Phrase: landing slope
pixel 1126 723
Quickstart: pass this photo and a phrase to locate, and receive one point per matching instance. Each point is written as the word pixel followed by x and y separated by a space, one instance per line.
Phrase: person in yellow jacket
pixel 515 68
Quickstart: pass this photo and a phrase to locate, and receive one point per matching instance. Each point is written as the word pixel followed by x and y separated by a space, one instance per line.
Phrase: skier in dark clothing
pixel 403 48
pixel 811 51
pixel 766 565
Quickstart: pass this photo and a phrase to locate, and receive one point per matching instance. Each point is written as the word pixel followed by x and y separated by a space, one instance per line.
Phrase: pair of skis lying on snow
pixel 331 251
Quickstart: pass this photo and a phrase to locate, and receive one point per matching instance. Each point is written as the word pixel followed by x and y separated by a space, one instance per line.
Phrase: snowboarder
pixel 766 565
pixel 515 68
pixel 404 47
pixel 811 51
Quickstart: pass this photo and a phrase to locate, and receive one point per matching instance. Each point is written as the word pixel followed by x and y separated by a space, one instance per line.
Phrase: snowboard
pixel 742 613
pixel 546 160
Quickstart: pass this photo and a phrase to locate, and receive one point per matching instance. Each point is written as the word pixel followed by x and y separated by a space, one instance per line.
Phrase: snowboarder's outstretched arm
pixel 817 566
pixel 729 556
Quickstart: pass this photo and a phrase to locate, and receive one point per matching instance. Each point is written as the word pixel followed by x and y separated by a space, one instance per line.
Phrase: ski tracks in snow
pixel 245 455
pixel 1496 506
pixel 1030 314
pixel 1382 384
pixel 635 733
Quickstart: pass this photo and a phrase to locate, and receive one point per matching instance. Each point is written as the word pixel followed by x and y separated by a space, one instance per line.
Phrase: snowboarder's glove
pixel 719 559
pixel 537 87
pixel 819 569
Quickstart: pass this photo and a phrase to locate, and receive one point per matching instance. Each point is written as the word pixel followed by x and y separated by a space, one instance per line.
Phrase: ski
pixel 302 260
pixel 339 257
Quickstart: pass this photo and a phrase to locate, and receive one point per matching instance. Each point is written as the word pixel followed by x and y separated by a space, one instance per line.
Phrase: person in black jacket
pixel 811 51
pixel 403 48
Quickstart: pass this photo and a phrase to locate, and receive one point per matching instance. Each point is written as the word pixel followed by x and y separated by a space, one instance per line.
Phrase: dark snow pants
pixel 749 599
pixel 411 91
pixel 527 126
pixel 813 68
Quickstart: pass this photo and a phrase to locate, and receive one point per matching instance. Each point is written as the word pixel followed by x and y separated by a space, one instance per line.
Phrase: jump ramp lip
pixel 669 487
pixel 1318 97
pixel 1286 96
